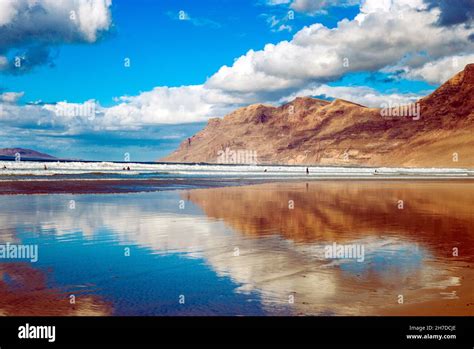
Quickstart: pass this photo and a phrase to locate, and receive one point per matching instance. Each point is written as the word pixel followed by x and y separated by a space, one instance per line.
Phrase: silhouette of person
pixel 307 171
pixel 128 168
pixel 45 167
pixel 189 141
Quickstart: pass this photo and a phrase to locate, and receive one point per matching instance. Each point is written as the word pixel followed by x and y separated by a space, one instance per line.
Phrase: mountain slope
pixel 10 153
pixel 313 131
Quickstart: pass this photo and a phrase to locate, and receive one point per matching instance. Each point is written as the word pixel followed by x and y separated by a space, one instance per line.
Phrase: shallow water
pixel 252 250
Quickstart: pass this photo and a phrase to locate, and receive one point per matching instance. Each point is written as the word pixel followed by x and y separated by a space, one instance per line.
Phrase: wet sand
pixel 452 301
pixel 110 186
pixel 118 186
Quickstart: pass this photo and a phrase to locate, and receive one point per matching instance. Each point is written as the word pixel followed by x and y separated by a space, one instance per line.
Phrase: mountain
pixel 318 132
pixel 25 154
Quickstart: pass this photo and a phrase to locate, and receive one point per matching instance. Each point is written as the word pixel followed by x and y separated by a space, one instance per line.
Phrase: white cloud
pixel 46 23
pixel 386 34
pixel 62 117
pixel 441 70
pixel 53 20
pixel 10 97
pixel 7 11
pixel 93 17
pixel 171 105
pixel 379 37
pixel 302 65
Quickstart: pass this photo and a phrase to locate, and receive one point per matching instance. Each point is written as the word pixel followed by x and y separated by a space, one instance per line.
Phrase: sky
pixel 102 79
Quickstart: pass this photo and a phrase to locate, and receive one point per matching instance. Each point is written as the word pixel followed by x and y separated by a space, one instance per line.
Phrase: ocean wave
pixel 38 169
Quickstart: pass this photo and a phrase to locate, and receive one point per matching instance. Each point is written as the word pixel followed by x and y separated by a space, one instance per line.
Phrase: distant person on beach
pixel 128 168
pixel 4 167
pixel 307 171
pixel 189 141
pixel 45 167
pixel 265 170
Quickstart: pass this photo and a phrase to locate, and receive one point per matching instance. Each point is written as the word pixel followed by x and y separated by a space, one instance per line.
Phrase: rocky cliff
pixel 437 131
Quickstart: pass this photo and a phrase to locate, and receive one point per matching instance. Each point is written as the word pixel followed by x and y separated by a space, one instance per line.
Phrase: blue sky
pixel 192 60
pixel 163 51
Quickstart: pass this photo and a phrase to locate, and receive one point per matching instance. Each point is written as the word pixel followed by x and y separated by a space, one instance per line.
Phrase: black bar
pixel 382 331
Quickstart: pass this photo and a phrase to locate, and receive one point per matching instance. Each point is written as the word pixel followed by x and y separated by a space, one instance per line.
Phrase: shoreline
pixel 258 164
pixel 129 186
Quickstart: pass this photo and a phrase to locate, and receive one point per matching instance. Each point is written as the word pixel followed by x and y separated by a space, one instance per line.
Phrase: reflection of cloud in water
pixel 273 264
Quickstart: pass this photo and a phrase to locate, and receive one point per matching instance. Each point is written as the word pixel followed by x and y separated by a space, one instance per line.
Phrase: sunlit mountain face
pixel 251 250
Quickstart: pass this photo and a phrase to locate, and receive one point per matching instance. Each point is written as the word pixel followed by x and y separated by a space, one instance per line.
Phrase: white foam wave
pixel 37 168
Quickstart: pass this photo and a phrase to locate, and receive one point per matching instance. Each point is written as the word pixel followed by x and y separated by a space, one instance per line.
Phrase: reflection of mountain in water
pixel 24 292
pixel 249 234
pixel 408 250
pixel 435 214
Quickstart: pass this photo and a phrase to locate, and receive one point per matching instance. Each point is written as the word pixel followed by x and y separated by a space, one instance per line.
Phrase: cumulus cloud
pixel 386 35
pixel 304 65
pixel 317 53
pixel 439 71
pixel 171 105
pixel 30 27
pixel 63 118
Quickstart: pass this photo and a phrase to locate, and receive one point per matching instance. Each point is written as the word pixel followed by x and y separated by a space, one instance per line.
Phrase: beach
pixel 55 177
pixel 238 244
